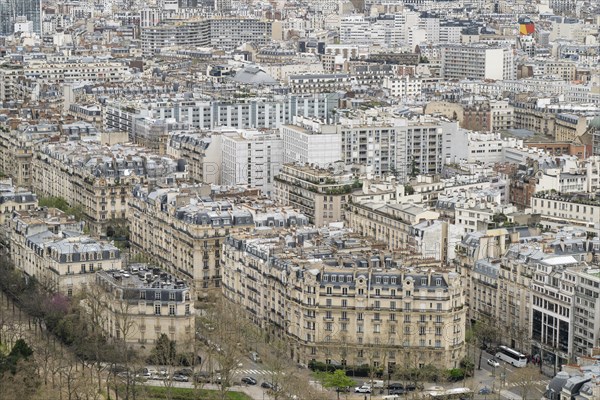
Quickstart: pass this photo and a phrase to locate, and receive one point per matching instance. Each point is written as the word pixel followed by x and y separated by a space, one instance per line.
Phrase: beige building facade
pixel 353 305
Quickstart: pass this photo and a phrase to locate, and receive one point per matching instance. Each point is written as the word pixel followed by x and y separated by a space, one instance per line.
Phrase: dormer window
pixel 438 281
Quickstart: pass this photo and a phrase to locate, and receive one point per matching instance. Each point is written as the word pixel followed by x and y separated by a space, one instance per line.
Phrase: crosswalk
pixel 534 383
pixel 252 372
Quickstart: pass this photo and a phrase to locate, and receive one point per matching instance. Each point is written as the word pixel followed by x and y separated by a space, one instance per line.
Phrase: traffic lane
pixel 504 366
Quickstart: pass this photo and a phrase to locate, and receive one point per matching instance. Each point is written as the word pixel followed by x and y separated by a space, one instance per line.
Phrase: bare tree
pixel 224 327
pixel 525 379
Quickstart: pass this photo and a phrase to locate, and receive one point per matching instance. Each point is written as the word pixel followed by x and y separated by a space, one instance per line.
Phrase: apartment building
pixel 379 144
pixel 319 193
pixel 97 178
pixel 344 309
pixel 202 154
pixel 141 302
pixel 76 70
pixel 50 246
pixel 257 113
pixel 569 127
pixel 586 318
pixel 425 146
pixel 489 116
pixel 388 223
pixel 319 83
pixel 477 61
pixel 17 149
pixel 183 229
pixel 580 209
pixel 405 87
pixel 224 33
pixel 308 141
pixel 15 199
pixel 251 158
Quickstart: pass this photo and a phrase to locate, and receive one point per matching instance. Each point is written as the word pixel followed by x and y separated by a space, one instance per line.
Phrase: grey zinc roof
pixel 254 76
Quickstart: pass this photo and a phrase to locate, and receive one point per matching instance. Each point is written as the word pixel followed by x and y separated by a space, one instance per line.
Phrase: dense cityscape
pixel 299 199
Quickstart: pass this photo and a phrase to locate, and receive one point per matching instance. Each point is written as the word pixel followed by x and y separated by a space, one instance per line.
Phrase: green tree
pixel 165 352
pixel 335 380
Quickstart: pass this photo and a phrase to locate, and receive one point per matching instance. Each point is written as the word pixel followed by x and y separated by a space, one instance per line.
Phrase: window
pixel 187 309
pixel 143 295
pixel 344 303
pixel 345 291
pixel 359 316
pixel 157 295
pixel 392 305
pixel 377 305
pixel 172 296
pixel 157 309
pixel 171 309
pixel 329 290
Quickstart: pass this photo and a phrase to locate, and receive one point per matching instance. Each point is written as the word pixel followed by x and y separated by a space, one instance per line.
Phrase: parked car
pixel 485 390
pixel 266 385
pixel 181 378
pixel 202 377
pixel 494 363
pixel 398 391
pixel 185 372
pixel 249 380
pixel 410 387
pixel 363 389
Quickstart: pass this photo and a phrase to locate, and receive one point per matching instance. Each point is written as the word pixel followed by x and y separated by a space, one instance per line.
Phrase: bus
pixel 511 356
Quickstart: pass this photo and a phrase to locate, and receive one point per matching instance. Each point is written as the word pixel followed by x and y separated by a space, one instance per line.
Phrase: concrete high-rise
pixel 11 9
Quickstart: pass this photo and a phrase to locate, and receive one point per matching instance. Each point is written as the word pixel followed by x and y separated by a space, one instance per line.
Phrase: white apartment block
pixel 310 142
pixel 405 87
pixel 257 113
pixel 225 33
pixel 251 158
pixel 477 61
pixel 81 71
pixel 576 209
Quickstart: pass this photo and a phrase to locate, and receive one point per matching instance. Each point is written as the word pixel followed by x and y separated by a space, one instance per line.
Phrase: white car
pixel 363 389
pixel 493 363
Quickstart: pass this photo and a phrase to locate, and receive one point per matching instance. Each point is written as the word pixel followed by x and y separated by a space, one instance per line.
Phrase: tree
pixel 225 330
pixel 336 380
pixel 525 379
pixel 481 335
pixel 164 353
